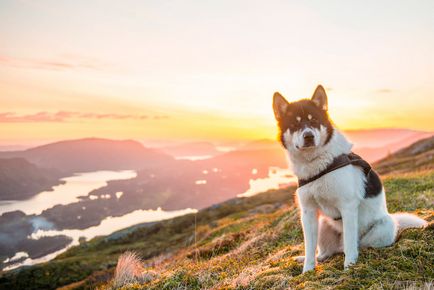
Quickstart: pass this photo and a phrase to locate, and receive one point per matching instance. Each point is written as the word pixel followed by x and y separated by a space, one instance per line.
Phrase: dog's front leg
pixel 309 221
pixel 350 227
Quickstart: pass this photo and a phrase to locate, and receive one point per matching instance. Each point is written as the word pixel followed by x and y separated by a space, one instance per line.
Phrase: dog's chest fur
pixel 327 206
pixel 333 191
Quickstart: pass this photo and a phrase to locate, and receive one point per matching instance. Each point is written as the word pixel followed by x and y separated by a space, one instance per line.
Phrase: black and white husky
pixel 341 199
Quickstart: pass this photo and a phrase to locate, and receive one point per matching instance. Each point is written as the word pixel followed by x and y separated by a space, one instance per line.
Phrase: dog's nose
pixel 308 136
pixel 308 139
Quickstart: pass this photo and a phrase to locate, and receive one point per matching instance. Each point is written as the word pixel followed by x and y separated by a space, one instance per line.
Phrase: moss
pixel 410 192
pixel 219 247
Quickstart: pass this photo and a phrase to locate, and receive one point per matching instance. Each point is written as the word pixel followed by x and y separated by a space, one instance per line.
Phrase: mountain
pixel 248 243
pixel 373 138
pixel 92 154
pixel 191 149
pixel 21 179
pixel 252 157
pixel 373 154
pixel 262 144
pixel 418 156
pixel 13 147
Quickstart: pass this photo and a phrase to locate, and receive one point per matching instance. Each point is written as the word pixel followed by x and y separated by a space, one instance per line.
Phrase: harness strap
pixel 339 162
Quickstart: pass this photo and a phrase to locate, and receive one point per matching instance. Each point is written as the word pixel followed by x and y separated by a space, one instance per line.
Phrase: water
pixel 277 178
pixel 194 157
pixel 74 187
pixel 107 226
pixel 112 224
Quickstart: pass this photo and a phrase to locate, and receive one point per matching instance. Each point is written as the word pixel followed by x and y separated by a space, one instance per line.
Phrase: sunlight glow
pixel 211 68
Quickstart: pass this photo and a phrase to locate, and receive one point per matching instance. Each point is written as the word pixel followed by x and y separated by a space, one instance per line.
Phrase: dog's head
pixel 304 125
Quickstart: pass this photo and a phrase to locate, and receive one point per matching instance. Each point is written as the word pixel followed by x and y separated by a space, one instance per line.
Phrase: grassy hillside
pixel 418 156
pixel 247 243
pixel 253 249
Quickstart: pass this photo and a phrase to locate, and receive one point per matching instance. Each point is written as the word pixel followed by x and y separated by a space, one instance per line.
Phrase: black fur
pixel 373 186
pixel 302 109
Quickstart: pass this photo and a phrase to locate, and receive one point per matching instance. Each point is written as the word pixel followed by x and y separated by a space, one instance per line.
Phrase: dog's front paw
pixel 349 262
pixel 308 267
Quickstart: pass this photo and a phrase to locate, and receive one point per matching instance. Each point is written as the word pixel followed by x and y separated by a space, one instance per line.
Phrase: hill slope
pixel 418 156
pixel 253 249
pixel 19 179
pixel 245 243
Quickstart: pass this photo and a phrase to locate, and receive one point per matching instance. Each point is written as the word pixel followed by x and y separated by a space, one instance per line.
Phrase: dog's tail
pixel 129 270
pixel 406 220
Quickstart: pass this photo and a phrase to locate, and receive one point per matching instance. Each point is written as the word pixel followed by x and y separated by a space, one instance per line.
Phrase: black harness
pixel 338 162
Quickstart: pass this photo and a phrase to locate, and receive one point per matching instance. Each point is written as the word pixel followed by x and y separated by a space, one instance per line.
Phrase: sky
pixel 207 70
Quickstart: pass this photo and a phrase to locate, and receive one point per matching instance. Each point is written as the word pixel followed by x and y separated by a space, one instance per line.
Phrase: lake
pixel 107 226
pixel 74 187
pixel 277 178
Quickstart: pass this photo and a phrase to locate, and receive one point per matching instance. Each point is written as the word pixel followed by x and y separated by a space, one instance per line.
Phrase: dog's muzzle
pixel 308 139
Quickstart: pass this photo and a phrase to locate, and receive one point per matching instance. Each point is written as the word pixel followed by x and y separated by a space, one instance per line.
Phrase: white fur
pixel 406 220
pixel 364 221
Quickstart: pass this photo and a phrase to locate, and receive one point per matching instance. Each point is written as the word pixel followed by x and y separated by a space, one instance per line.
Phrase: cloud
pixel 65 62
pixel 65 116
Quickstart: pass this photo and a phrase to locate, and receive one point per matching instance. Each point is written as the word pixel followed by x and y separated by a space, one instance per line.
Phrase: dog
pixel 341 199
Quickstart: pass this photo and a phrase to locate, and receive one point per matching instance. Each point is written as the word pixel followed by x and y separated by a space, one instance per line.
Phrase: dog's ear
pixel 280 105
pixel 320 98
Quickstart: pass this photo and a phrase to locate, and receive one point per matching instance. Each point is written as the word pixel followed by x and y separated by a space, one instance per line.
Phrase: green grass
pixel 240 245
pixel 263 257
pixel 410 191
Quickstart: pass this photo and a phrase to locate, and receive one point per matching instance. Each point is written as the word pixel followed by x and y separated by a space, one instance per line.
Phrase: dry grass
pixel 130 270
pixel 255 251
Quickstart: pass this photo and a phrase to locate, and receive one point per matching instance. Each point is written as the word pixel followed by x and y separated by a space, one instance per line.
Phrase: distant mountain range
pixel 91 154
pixel 380 137
pixel 191 149
pixel 377 144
